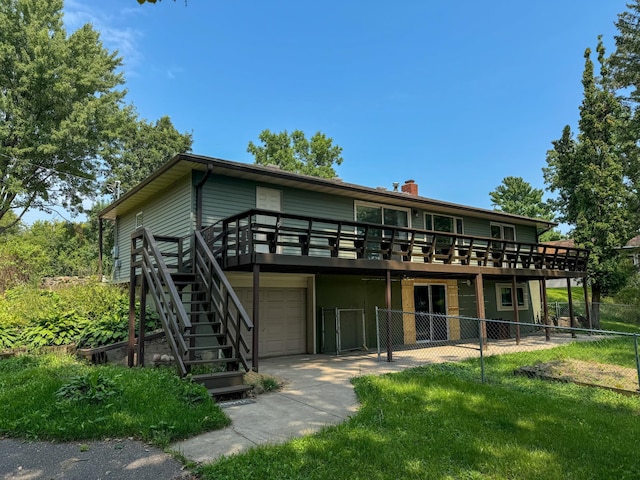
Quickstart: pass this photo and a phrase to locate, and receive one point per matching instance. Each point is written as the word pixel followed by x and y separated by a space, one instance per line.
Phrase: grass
pixel 100 401
pixel 611 318
pixel 560 295
pixel 440 422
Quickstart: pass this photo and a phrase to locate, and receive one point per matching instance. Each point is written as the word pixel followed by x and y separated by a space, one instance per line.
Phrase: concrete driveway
pixel 317 392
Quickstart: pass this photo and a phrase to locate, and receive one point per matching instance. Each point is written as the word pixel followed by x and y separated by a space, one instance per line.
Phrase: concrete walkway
pixel 317 392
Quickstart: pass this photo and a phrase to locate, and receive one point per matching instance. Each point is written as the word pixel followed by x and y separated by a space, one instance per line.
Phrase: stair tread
pixel 225 374
pixel 204 335
pixel 231 389
pixel 210 347
pixel 212 360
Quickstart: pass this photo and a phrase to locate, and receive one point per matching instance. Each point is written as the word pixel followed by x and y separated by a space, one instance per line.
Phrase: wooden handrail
pixel 226 297
pixel 156 272
pixel 277 230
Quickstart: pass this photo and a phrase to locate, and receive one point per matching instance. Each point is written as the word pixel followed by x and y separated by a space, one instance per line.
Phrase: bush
pixel 90 315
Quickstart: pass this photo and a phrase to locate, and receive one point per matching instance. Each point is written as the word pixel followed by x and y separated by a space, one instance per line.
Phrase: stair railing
pixel 147 258
pixel 222 298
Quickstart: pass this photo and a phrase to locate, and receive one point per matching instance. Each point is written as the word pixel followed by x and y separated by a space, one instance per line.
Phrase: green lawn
pixel 151 404
pixel 560 295
pixel 440 422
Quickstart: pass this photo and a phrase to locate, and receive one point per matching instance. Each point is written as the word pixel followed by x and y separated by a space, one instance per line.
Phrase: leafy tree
pixel 588 173
pixel 59 105
pixel 141 148
pixel 294 153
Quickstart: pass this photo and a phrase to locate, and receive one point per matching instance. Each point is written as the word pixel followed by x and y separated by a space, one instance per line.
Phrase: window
pixel 138 220
pixel 504 299
pixel 382 215
pixel 447 224
pixel 443 223
pixel 503 231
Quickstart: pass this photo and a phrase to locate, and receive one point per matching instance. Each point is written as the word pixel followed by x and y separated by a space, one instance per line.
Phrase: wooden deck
pixel 283 241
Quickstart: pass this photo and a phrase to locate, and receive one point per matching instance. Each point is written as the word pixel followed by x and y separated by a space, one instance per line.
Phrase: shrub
pixel 53 329
pixel 91 315
pixel 93 387
pixel 8 337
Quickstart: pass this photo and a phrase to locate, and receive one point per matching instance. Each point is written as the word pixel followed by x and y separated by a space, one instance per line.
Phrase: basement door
pixel 282 329
pixel 431 309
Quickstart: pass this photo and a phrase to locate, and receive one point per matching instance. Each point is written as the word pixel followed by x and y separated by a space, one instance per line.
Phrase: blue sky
pixel 456 95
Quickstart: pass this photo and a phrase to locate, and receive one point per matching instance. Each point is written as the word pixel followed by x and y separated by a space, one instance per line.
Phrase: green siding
pixel 168 214
pixel 348 291
pixel 491 307
pixel 226 196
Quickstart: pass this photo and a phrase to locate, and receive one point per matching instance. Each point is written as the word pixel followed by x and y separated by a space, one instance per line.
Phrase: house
pixel 258 254
pixel 632 250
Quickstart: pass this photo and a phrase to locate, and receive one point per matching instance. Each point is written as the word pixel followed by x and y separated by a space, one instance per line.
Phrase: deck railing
pixel 238 238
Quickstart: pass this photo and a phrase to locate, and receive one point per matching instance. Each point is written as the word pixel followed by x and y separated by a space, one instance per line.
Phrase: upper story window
pixel 268 199
pixel 443 223
pixel 382 214
pixel 503 231
pixel 139 222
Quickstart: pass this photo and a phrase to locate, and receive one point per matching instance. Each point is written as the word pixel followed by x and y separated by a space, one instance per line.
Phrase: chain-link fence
pixel 611 314
pixel 343 330
pixel 607 359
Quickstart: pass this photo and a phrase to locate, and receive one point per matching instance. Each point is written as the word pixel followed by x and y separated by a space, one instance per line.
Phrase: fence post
pixel 388 295
pixel 481 357
pixel 635 342
pixel 378 330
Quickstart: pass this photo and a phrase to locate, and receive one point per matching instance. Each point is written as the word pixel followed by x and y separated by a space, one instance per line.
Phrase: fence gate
pixel 343 330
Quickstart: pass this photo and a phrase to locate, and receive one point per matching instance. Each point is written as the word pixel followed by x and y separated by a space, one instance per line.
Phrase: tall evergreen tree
pixel 625 60
pixel 516 195
pixel 588 173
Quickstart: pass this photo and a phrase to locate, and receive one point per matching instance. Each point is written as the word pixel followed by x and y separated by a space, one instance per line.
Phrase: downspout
pixel 199 186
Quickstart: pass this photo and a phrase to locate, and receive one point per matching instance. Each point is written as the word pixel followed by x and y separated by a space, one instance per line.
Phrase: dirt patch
pixel 603 375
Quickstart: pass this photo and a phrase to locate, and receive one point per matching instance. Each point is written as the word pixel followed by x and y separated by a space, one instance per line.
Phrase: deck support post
pixel 587 307
pixel 131 347
pixel 514 302
pixel 388 329
pixel 143 319
pixel 100 248
pixel 572 322
pixel 545 309
pixel 480 308
pixel 256 317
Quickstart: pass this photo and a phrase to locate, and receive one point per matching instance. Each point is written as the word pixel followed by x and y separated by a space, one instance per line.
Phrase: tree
pixel 142 147
pixel 294 153
pixel 625 67
pixel 589 175
pixel 517 196
pixel 59 107
pixel 624 62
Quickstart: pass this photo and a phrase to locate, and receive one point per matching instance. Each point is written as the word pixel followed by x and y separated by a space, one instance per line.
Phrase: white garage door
pixel 282 323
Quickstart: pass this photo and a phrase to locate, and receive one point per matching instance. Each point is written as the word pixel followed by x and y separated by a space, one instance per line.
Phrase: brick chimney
pixel 410 187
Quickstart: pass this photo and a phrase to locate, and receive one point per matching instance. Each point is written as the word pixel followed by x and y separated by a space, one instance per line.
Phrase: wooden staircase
pixel 204 322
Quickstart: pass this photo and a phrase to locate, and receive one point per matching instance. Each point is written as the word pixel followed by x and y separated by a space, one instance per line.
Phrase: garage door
pixel 282 319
